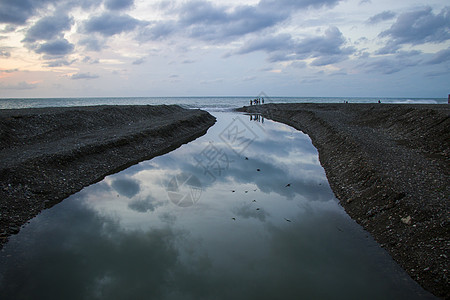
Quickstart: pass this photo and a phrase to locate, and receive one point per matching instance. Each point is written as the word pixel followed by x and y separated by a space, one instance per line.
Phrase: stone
pixel 406 220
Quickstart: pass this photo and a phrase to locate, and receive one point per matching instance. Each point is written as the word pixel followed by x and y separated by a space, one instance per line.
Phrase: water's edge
pixel 376 197
pixel 46 166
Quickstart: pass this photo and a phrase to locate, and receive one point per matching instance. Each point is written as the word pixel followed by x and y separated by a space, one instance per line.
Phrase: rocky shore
pixel 47 154
pixel 389 167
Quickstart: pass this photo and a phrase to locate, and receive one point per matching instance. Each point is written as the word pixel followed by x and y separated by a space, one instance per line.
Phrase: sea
pixel 212 104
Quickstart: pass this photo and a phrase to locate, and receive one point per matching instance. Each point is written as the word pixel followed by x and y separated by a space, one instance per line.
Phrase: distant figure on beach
pixel 262 100
pixel 251 102
pixel 379 101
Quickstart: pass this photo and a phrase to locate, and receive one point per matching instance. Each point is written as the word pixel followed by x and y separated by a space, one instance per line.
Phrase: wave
pixel 415 101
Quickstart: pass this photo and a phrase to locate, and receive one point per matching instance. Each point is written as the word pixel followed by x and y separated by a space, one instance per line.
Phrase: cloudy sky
pixel 380 48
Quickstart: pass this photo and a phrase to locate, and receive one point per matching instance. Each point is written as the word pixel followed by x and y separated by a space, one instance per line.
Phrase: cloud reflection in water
pixel 250 236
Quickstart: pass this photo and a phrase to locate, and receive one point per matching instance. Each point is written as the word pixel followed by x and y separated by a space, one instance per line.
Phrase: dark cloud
pixel 394 63
pixel 20 86
pixel 109 24
pixel 139 61
pixel 224 26
pixel 84 4
pixel 127 187
pixel 58 47
pixel 331 43
pixel 383 16
pixel 289 5
pixel 210 22
pixel 340 73
pixel 10 70
pixel 328 60
pixel 89 60
pixel 440 57
pixel 4 53
pixel 268 44
pixel 157 31
pixel 19 11
pixel 8 28
pixel 118 4
pixel 144 205
pixel 90 76
pixel 327 49
pixel 436 73
pixel 202 12
pixel 60 63
pixel 48 28
pixel 384 66
pixel 168 218
pixel 247 211
pixel 92 44
pixel 417 27
pixel 298 64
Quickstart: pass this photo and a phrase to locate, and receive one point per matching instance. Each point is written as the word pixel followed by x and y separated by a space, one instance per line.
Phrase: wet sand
pixel 389 167
pixel 47 154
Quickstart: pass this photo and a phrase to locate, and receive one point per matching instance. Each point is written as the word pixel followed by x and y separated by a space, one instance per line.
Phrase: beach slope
pixel 47 154
pixel 389 167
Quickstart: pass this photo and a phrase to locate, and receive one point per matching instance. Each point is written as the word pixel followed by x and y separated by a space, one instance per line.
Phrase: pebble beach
pixel 389 166
pixel 47 154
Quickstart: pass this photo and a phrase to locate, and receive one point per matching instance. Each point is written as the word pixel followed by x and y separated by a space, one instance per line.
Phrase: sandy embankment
pixel 389 167
pixel 47 154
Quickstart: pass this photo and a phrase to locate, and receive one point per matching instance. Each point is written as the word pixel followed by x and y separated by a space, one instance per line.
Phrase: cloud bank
pixel 312 40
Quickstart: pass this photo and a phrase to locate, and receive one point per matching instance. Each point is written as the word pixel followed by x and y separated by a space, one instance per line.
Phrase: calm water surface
pixel 244 212
pixel 207 103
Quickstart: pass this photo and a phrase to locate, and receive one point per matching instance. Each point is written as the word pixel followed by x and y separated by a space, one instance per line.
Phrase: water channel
pixel 243 212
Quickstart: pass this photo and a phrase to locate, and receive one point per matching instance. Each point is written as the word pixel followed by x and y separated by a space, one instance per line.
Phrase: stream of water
pixel 244 212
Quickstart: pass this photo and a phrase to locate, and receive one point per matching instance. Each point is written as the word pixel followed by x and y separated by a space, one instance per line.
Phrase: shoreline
pixel 388 164
pixel 48 154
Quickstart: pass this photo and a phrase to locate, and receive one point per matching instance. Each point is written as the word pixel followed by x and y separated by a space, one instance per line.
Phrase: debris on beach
pixel 406 220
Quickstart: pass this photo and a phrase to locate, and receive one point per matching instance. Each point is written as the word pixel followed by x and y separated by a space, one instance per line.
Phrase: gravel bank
pixel 389 167
pixel 47 154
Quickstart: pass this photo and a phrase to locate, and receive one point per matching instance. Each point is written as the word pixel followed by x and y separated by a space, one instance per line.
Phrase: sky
pixel 298 48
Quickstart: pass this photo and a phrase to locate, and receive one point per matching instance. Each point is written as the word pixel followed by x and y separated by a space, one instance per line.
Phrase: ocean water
pixel 207 103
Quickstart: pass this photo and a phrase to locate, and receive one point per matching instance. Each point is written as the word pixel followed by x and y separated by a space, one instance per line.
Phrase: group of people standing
pixel 257 101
